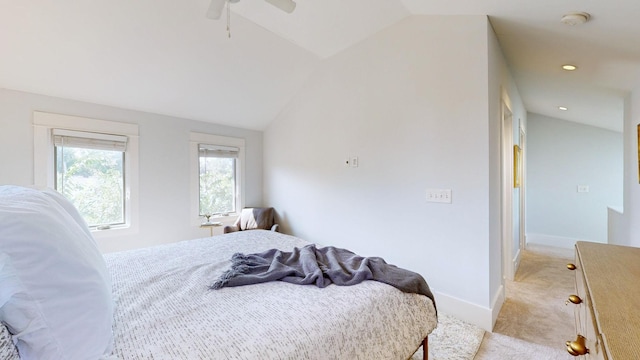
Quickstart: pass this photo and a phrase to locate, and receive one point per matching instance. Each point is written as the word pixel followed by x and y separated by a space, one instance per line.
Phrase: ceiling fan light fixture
pixel 575 18
pixel 285 5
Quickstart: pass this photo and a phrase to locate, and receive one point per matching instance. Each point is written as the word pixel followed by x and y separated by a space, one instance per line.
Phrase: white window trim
pixel 210 139
pixel 43 159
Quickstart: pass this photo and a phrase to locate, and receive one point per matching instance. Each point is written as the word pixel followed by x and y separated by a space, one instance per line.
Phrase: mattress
pixel 164 308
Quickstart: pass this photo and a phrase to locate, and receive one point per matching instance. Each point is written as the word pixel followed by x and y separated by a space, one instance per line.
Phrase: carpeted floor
pixel 535 322
pixel 497 346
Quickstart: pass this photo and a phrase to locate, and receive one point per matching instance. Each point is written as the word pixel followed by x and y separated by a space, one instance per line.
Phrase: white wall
pixel 412 103
pixel 563 155
pixel 620 220
pixel 628 225
pixel 164 162
pixel 502 88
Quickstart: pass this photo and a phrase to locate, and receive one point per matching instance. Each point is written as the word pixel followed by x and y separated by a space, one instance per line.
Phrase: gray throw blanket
pixel 322 267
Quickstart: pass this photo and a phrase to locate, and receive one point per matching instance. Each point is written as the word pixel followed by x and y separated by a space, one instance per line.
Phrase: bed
pixel 164 309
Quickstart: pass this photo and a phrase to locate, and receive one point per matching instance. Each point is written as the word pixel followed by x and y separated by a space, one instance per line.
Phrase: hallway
pixel 535 322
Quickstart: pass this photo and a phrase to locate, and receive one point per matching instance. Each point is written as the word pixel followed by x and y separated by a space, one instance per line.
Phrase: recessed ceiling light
pixel 575 18
pixel 563 108
pixel 569 67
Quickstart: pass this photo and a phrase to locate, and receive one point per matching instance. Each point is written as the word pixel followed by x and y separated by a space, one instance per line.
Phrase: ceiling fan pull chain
pixel 229 19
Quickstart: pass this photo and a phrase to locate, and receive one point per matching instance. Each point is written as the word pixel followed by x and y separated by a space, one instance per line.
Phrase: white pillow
pixel 55 289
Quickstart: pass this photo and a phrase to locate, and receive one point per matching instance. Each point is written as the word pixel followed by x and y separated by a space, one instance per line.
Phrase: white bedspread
pixel 164 309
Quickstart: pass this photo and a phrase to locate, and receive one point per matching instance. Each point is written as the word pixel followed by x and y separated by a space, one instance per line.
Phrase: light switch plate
pixel 354 161
pixel 439 196
pixel 583 188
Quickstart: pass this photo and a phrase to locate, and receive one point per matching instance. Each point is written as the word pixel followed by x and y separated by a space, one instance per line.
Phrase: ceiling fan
pixel 216 6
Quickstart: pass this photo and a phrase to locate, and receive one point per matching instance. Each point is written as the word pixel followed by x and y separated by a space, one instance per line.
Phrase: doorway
pixel 507 166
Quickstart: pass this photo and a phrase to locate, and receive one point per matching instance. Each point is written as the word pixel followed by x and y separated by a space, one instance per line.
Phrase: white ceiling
pixel 166 57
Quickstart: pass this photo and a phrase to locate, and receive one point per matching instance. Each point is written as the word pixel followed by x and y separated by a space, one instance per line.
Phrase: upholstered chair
pixel 254 218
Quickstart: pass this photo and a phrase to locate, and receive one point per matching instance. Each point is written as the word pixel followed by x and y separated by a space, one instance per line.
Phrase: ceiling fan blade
pixel 284 5
pixel 215 9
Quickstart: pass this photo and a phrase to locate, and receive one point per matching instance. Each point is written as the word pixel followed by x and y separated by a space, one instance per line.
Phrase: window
pixel 94 163
pixel 217 179
pixel 217 182
pixel 89 171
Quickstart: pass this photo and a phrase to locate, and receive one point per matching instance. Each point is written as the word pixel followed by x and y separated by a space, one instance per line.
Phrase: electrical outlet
pixel 439 195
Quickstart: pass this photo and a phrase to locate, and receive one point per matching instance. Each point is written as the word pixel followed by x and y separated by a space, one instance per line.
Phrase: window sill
pixel 114 231
pixel 225 220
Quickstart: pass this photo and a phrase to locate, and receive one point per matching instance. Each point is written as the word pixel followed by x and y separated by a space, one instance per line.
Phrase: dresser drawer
pixel 585 320
pixel 607 316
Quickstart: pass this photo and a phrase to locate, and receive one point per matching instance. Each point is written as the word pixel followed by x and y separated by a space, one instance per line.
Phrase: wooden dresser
pixel 607 302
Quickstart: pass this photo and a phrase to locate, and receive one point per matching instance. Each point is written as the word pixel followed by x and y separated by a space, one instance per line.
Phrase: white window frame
pixel 43 160
pixel 195 139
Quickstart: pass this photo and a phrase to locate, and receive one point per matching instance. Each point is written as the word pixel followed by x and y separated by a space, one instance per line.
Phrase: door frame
pixel 506 169
pixel 523 188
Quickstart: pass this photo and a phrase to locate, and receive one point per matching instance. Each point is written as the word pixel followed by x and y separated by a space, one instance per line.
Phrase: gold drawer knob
pixel 575 299
pixel 578 347
pixel 571 266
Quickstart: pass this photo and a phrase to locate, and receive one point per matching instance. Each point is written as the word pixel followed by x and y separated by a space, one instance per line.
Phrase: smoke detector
pixel 575 18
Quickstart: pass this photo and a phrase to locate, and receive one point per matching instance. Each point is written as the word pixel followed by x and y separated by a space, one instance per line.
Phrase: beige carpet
pixel 535 322
pixel 498 346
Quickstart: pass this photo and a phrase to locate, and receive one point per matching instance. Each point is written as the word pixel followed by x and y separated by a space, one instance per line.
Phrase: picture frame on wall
pixel 517 164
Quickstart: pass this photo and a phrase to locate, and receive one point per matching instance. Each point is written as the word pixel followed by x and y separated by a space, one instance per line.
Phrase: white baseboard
pixel 516 261
pixel 552 240
pixel 496 304
pixel 469 312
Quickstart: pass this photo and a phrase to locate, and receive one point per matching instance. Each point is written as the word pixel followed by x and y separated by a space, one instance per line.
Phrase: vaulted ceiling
pixel 166 57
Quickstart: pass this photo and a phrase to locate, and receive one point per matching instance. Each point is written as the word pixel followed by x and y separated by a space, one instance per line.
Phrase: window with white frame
pixel 89 171
pixel 217 168
pixel 217 179
pixel 94 163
